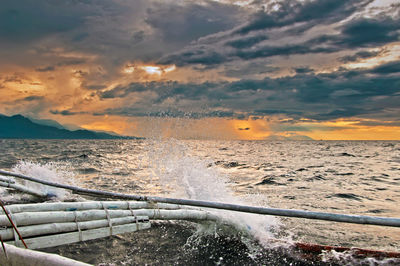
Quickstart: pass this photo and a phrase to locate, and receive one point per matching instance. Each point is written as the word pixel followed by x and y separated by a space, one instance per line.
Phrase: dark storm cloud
pixel 113 32
pixel 332 87
pixel 245 85
pixel 165 90
pixel 312 12
pixel 199 55
pixel 362 32
pixel 370 32
pixel 138 37
pixel 378 123
pixel 80 36
pixel 249 68
pixel 284 50
pixel 275 112
pixel 323 96
pixel 70 62
pixel 355 34
pixel 303 70
pixel 359 55
pixel 207 56
pixel 38 34
pixel 388 68
pixel 206 35
pixel 123 91
pixel 288 27
pixel 189 22
pixel 25 20
pixel 66 112
pixel 291 127
pixel 33 98
pixel 94 87
pixel 246 42
pixel 343 113
pixel 45 69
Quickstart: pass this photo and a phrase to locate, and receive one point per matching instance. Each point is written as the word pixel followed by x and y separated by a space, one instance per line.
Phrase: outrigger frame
pixel 335 217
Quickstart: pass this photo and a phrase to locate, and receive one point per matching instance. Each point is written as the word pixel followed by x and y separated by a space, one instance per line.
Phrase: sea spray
pixel 54 172
pixel 188 176
pixel 350 258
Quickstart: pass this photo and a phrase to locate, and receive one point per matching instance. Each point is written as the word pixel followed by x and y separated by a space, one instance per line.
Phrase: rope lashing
pixel 335 217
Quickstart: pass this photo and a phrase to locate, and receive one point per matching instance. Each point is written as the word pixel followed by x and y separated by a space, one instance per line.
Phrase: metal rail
pixel 335 217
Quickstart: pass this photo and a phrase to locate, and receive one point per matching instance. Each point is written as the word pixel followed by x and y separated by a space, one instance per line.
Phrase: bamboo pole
pixel 26 257
pixel 56 228
pixel 32 218
pixel 68 238
pixel 22 188
pixel 7 214
pixel 88 205
pixel 335 217
pixel 2 179
pixel 182 214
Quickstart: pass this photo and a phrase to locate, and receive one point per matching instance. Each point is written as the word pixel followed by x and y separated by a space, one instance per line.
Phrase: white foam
pixel 349 258
pixel 51 171
pixel 189 176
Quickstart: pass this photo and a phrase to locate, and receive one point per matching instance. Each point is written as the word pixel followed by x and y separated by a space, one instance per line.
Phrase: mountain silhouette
pixel 20 127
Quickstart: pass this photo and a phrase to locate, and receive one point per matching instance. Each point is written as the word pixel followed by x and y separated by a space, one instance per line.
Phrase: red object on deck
pixel 315 249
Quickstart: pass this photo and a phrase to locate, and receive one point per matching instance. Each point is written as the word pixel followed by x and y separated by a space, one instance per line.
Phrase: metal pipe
pixel 335 217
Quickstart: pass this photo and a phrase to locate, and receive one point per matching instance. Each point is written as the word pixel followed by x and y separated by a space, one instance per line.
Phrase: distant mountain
pixel 47 122
pixel 70 127
pixel 292 137
pixel 20 127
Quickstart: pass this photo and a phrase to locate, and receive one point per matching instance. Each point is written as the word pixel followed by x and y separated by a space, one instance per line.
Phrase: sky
pixel 204 69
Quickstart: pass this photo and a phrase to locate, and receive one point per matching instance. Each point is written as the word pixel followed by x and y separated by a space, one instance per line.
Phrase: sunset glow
pixel 249 70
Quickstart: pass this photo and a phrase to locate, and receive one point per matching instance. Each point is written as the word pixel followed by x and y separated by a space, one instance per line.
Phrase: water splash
pixel 188 176
pixel 350 258
pixel 53 172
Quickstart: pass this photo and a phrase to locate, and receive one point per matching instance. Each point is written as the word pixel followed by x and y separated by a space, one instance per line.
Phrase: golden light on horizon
pixel 152 70
pixel 129 69
pixel 351 130
pixel 251 129
pixel 148 69
pixel 366 133
pixel 119 127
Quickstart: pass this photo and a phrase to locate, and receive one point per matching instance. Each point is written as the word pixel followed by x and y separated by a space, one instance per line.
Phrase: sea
pixel 346 177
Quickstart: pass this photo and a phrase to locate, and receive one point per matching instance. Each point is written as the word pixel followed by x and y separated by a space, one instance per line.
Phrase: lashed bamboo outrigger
pixel 80 221
pixel 52 224
pixel 89 205
pixel 55 228
pixel 31 218
pixel 79 236
pixel 335 217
